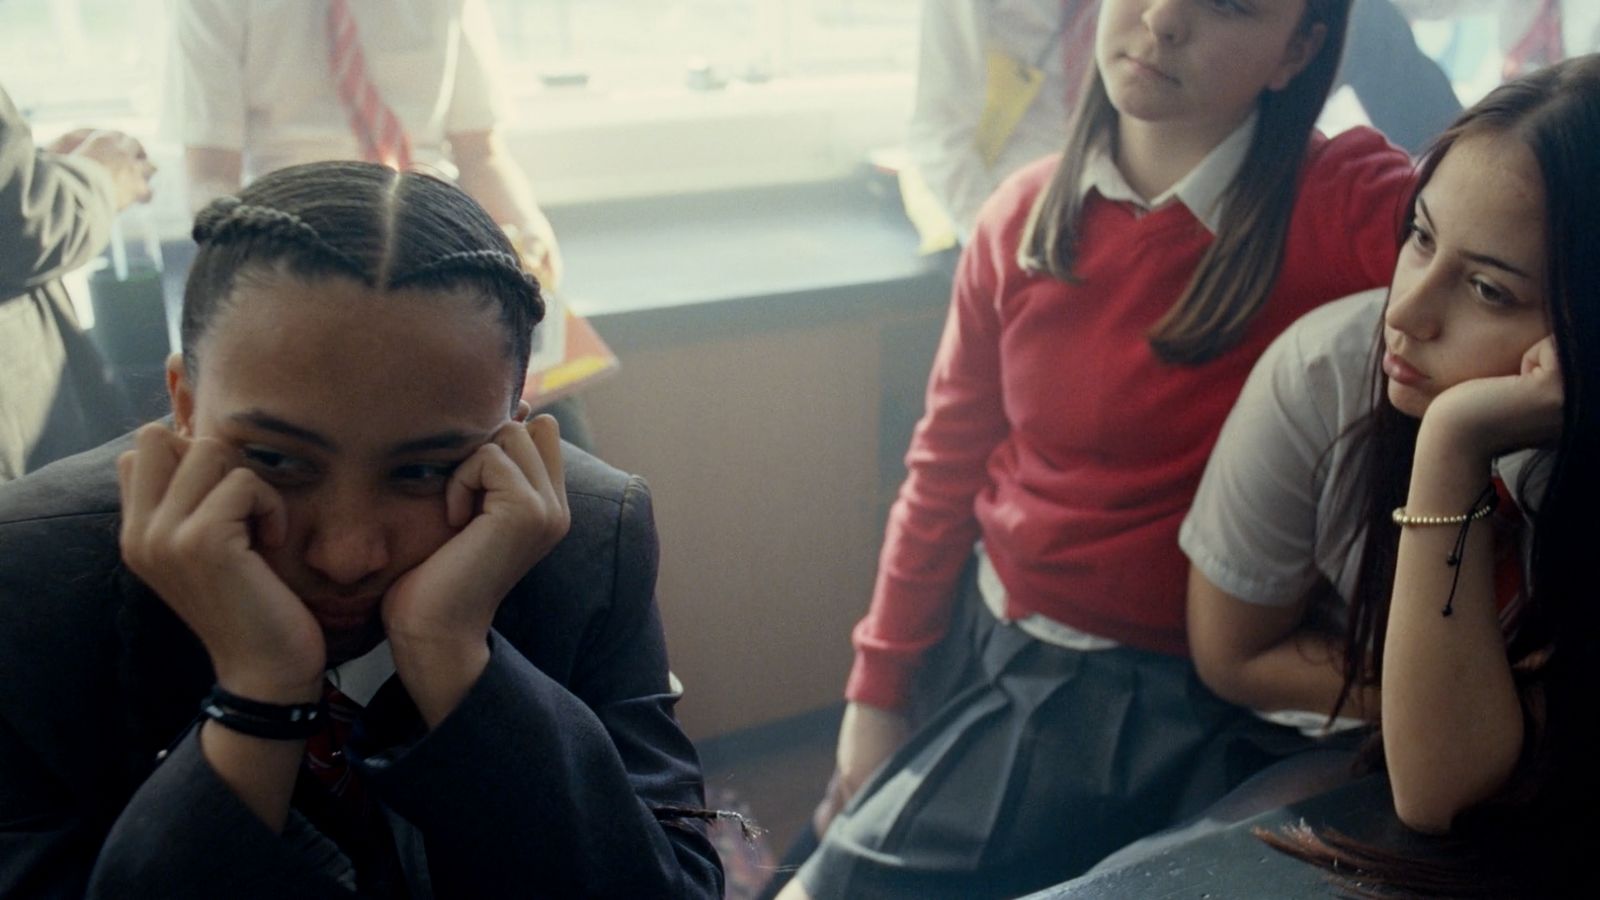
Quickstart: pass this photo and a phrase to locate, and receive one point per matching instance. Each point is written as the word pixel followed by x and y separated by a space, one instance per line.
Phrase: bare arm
pixel 1452 720
pixel 211 172
pixel 1446 681
pixel 868 735
pixel 494 179
pixel 1271 513
pixel 1260 656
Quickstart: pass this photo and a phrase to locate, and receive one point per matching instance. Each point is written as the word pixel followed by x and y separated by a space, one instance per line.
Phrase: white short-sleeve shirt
pixel 1270 514
pixel 1263 524
pixel 254 76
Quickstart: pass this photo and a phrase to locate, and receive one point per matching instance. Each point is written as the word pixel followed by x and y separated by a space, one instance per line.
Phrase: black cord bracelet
pixel 273 721
pixel 1485 504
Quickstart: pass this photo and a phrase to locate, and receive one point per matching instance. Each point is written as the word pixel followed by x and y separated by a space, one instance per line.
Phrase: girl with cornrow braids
pixel 350 619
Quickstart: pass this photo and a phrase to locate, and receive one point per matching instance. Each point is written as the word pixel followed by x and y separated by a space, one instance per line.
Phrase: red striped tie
pixel 383 139
pixel 1539 46
pixel 325 750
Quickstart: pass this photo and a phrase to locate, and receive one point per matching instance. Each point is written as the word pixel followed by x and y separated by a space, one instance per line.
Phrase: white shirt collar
pixel 1526 474
pixel 1201 190
pixel 360 678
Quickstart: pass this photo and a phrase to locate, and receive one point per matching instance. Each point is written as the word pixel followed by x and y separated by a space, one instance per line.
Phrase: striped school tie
pixel 1539 46
pixel 383 139
pixel 325 750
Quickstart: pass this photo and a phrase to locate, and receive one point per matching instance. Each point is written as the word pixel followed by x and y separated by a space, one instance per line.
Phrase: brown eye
pixel 1419 237
pixel 423 477
pixel 1491 293
pixel 277 468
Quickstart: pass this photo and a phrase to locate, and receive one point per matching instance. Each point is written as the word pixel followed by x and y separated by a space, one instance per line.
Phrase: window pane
pixel 83 57
pixel 644 44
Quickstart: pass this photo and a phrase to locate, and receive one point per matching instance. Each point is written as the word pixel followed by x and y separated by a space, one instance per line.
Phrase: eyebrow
pixel 1483 258
pixel 444 440
pixel 268 422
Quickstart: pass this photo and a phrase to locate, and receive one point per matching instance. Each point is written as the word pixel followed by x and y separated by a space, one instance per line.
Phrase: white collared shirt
pixel 1201 190
pixel 360 678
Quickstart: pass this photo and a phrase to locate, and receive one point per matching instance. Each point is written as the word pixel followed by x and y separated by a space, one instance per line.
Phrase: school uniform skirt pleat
pixel 1047 761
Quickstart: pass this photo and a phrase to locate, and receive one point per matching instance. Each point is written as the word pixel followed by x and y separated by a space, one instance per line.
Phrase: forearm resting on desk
pixel 1453 726
pixel 1262 657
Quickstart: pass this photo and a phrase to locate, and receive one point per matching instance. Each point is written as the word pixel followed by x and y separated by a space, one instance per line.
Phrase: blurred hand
pixel 868 735
pixel 190 514
pixel 70 141
pixel 122 155
pixel 539 251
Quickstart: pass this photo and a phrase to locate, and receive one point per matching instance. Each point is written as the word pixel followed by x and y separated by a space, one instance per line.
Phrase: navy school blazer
pixel 546 781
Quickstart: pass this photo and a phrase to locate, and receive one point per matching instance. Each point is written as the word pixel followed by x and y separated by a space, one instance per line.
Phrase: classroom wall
pixel 772 453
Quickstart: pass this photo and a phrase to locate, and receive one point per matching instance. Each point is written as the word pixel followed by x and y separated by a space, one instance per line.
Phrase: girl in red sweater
pixel 1105 314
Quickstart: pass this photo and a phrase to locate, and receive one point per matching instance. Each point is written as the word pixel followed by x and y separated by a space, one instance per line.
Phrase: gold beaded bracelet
pixel 1401 517
pixel 1485 503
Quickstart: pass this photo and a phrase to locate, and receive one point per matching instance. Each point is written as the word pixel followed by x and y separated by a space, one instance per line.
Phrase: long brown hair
pixel 1536 831
pixel 1237 272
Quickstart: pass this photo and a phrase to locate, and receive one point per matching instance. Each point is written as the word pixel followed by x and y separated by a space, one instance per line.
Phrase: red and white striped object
pixel 383 139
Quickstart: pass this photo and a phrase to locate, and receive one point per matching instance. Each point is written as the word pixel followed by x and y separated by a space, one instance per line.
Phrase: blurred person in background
pixel 997 81
pixel 1405 93
pixel 263 84
pixel 256 85
pixel 57 204
pixel 1532 33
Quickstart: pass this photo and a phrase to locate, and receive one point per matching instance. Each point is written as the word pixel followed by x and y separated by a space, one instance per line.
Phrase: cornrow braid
pixel 228 219
pixel 363 221
pixel 495 265
pixel 205 222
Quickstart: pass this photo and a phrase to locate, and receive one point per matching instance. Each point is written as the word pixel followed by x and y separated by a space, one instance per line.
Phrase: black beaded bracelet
pixel 273 721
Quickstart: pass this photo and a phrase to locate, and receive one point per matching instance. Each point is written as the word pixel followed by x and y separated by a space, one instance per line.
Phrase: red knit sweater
pixel 1055 434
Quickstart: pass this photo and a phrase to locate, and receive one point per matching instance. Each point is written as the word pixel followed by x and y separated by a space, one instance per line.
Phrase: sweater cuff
pixel 879 681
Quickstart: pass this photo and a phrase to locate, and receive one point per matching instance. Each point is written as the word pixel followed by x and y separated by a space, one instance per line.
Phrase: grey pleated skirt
pixel 1045 761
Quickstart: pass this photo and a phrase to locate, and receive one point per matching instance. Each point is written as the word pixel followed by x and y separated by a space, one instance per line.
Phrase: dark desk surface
pixel 1234 863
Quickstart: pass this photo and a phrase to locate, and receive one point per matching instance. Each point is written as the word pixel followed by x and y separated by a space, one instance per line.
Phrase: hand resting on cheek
pixel 195 516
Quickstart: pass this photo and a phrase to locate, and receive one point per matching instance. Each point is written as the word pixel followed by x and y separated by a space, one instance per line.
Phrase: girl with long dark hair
pixel 1429 487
